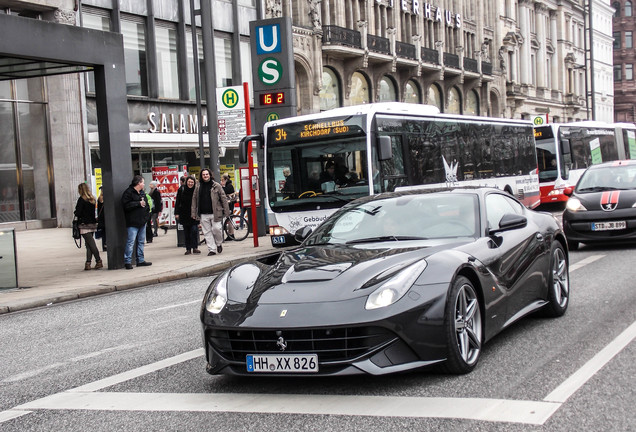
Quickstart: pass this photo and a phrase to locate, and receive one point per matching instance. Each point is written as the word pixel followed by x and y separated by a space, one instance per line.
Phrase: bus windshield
pixel 305 174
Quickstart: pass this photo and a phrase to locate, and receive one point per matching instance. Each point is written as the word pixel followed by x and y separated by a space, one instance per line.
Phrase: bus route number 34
pixel 280 134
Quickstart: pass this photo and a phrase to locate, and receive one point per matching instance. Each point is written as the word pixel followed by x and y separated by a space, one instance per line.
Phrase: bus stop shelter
pixel 32 48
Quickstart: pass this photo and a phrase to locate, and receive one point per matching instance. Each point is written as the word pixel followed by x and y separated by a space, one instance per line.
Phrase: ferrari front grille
pixel 331 345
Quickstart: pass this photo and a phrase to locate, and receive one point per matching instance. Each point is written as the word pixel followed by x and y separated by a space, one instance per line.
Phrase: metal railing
pixel 451 60
pixel 334 35
pixel 405 50
pixel 379 44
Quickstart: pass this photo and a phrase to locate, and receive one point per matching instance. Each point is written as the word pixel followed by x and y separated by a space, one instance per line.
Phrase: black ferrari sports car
pixel 602 206
pixel 388 283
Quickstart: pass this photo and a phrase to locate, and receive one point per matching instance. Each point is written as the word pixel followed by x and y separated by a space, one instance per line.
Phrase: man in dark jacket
pixel 135 205
pixel 209 206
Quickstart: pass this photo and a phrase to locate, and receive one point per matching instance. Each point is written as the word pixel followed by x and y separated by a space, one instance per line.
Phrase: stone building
pixel 624 58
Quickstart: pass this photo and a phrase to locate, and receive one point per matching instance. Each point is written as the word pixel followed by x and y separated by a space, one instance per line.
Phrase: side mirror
pixel 244 146
pixel 565 146
pixel 385 151
pixel 510 221
pixel 302 234
pixel 568 191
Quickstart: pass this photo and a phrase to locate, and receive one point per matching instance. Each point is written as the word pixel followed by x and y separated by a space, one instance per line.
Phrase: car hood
pixel 329 272
pixel 608 200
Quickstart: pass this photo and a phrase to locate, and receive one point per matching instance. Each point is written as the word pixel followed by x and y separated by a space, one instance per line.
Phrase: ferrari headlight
pixel 574 204
pixel 393 289
pixel 218 296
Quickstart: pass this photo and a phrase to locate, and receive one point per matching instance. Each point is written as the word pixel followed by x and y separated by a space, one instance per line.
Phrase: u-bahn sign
pixel 272 71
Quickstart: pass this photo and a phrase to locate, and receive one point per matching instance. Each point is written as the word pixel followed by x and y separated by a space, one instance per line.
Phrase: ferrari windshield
pixel 401 218
pixel 614 177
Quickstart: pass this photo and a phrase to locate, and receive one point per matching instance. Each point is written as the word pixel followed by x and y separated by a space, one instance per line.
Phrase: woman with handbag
pixel 85 214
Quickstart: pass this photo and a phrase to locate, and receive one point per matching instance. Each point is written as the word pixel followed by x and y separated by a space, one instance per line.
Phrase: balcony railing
pixel 334 35
pixel 430 55
pixel 451 60
pixel 405 50
pixel 470 65
pixel 379 44
pixel 486 68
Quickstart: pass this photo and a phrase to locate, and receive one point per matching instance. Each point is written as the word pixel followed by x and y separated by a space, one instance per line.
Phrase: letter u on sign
pixel 268 39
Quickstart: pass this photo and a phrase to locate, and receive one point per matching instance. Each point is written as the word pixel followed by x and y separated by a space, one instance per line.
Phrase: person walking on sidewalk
pixel 209 206
pixel 85 214
pixel 157 208
pixel 135 205
pixel 183 214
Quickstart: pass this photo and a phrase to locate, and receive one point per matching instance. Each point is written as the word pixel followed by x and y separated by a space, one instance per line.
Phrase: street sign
pixel 231 119
pixel 540 120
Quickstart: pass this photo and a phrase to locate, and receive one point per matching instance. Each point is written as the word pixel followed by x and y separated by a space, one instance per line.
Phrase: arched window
pixel 434 97
pixel 454 102
pixel 617 9
pixel 387 91
pixel 330 91
pixel 472 103
pixel 412 92
pixel 628 8
pixel 359 89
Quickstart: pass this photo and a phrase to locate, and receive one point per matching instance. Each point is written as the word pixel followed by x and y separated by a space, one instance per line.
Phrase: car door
pixel 518 258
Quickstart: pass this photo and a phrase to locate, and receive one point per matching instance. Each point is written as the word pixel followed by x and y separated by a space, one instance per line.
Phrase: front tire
pixel 558 282
pixel 463 326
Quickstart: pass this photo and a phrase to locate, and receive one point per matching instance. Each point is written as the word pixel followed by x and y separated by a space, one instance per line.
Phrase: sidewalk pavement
pixel 51 267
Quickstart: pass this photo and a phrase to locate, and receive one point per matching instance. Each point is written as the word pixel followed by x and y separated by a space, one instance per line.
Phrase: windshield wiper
pixel 385 238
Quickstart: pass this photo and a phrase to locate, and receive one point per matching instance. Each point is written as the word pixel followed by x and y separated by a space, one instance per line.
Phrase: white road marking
pixel 140 371
pixel 589 369
pixel 494 410
pixel 586 261
pixel 11 414
pixel 175 306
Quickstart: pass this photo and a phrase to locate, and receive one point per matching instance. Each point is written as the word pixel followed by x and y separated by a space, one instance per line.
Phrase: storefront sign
pixel 442 16
pixel 175 123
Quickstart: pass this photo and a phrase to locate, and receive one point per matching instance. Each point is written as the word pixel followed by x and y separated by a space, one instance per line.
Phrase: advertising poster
pixel 168 179
pixel 595 150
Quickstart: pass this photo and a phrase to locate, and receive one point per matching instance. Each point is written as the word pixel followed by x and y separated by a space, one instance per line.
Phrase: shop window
pixel 412 92
pixel 223 54
pixel 387 91
pixel 435 97
pixel 330 91
pixel 30 89
pixel 359 89
pixel 167 70
pixel 9 197
pixel 192 94
pixel 134 32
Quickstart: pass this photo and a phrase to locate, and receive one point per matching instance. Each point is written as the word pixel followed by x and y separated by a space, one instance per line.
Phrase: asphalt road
pixel 577 372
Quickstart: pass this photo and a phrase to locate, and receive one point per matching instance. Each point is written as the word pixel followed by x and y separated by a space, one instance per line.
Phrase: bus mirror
pixel 565 147
pixel 385 151
pixel 244 146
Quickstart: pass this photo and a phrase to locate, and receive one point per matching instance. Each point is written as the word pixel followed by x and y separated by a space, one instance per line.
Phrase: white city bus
pixel 314 164
pixel 565 150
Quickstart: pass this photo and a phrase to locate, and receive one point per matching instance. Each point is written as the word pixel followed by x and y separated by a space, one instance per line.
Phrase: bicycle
pixel 232 227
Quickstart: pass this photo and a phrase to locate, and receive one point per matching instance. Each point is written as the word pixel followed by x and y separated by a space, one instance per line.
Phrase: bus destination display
pixel 315 130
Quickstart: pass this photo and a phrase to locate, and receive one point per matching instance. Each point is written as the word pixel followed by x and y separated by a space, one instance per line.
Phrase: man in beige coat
pixel 209 207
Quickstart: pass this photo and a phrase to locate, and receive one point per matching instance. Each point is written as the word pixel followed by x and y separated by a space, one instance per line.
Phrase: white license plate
pixel 607 226
pixel 278 240
pixel 282 363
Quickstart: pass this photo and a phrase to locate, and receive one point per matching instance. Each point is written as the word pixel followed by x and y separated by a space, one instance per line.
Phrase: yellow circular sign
pixel 230 98
pixel 538 121
pixel 272 116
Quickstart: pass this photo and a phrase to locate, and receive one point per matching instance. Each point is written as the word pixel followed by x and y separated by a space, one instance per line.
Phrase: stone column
pixel 541 15
pixel 524 27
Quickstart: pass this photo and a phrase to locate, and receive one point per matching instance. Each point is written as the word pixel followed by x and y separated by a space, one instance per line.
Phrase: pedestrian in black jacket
pixel 183 214
pixel 85 214
pixel 157 208
pixel 135 205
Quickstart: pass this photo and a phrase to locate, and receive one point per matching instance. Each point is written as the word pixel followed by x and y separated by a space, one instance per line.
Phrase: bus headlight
pixel 277 230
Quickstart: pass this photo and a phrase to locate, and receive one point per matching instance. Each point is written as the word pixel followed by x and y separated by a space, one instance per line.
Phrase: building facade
pixel 624 59
pixel 509 58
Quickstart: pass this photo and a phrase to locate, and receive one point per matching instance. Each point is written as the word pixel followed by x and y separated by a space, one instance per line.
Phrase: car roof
pixel 612 164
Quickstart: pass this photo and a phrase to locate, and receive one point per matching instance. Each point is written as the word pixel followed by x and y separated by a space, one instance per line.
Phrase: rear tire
pixel 238 232
pixel 463 327
pixel 558 282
